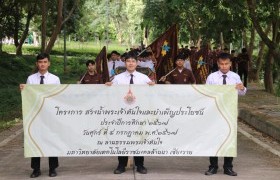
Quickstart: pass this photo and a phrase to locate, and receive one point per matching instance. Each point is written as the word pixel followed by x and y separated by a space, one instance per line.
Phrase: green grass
pixel 89 49
pixel 8 124
pixel 14 70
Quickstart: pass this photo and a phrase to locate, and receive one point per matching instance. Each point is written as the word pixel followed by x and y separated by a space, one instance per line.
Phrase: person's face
pixel 43 64
pixel 130 64
pixel 91 67
pixel 180 63
pixel 224 65
pixel 114 57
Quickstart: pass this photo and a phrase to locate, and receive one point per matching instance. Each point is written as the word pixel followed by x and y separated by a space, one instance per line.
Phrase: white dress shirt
pixel 118 63
pixel 231 79
pixel 147 63
pixel 187 64
pixel 48 79
pixel 124 78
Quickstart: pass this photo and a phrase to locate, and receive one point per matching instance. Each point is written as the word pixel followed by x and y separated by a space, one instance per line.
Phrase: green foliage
pixel 197 19
pixel 13 71
pixel 120 19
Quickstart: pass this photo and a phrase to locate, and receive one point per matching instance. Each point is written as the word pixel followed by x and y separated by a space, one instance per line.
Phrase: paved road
pixel 253 163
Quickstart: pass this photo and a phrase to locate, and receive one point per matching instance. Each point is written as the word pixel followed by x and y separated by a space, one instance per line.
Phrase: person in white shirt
pixel 114 62
pixel 130 76
pixel 146 60
pixel 187 64
pixel 42 77
pixel 224 77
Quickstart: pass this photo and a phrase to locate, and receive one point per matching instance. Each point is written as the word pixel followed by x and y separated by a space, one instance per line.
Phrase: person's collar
pixel 180 69
pixel 46 74
pixel 221 73
pixel 128 73
pixel 90 73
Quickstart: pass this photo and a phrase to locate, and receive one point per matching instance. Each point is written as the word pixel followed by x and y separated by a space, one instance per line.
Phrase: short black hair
pixel 244 50
pixel 90 62
pixel 115 52
pixel 124 54
pixel 130 55
pixel 224 56
pixel 181 56
pixel 43 56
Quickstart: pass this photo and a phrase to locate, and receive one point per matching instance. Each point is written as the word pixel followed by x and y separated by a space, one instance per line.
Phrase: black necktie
pixel 42 79
pixel 131 79
pixel 224 80
pixel 114 65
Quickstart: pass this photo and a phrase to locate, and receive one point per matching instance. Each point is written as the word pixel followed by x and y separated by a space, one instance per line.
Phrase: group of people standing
pixel 240 61
pixel 180 75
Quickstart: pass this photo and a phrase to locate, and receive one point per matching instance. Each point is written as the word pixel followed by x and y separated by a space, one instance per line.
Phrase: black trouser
pixel 244 72
pixel 227 162
pixel 35 162
pixel 139 160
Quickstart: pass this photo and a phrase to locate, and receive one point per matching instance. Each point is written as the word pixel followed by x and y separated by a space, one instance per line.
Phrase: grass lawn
pixel 15 70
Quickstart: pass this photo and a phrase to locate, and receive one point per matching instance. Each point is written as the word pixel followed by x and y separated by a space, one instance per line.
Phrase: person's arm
pixel 168 79
pixel 57 81
pixel 108 83
pixel 21 87
pixel 151 83
pixel 209 80
pixel 241 89
pixel 114 81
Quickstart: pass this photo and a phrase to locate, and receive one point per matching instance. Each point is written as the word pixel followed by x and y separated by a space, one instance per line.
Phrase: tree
pixel 6 21
pixel 269 10
pixel 59 22
pixel 12 15
pixel 31 10
pixel 44 25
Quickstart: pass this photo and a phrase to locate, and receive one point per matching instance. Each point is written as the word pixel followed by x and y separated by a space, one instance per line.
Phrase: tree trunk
pixel 251 43
pixel 250 49
pixel 272 44
pixel 43 26
pixel 17 20
pixel 222 41
pixel 268 78
pixel 31 13
pixel 260 57
pixel 57 29
pixel 256 75
pixel 59 23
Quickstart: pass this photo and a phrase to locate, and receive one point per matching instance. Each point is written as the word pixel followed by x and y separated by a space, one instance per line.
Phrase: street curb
pixel 260 121
pixel 11 137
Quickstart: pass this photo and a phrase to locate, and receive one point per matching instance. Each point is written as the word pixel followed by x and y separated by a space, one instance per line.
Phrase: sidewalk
pixel 261 110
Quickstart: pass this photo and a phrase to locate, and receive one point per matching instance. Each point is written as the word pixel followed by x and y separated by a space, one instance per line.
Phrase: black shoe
pixel 52 173
pixel 119 170
pixel 141 169
pixel 211 171
pixel 229 172
pixel 35 173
